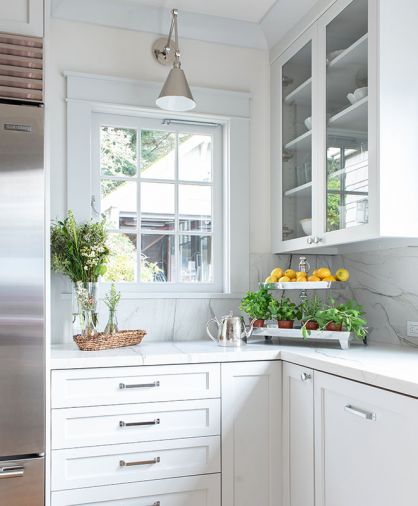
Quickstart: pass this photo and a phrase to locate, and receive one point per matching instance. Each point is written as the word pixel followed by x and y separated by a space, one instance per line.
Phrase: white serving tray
pixel 304 285
pixel 343 338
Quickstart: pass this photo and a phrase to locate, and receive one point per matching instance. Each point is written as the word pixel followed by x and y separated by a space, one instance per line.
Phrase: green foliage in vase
pixel 112 298
pixel 284 309
pixel 79 250
pixel 256 304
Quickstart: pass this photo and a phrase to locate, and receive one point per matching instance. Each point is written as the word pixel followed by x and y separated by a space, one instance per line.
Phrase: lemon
pixel 271 279
pixel 314 278
pixel 323 272
pixel 342 275
pixel 290 273
pixel 277 272
pixel 315 272
pixel 284 279
pixel 329 278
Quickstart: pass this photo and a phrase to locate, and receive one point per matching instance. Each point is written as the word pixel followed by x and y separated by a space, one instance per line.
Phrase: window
pixel 160 188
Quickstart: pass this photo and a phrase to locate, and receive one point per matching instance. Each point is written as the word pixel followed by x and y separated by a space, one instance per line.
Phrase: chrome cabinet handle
pixel 305 376
pixel 367 415
pixel 309 240
pixel 123 386
pixel 316 240
pixel 123 463
pixel 11 471
pixel 137 424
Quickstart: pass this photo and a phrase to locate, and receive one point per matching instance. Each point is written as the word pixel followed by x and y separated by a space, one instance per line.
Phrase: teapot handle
pixel 208 331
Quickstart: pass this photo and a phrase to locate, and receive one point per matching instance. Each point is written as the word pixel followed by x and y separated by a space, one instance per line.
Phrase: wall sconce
pixel 175 94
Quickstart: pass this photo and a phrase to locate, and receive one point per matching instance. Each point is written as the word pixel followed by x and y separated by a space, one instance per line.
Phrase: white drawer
pixel 104 425
pixel 192 491
pixel 125 385
pixel 101 465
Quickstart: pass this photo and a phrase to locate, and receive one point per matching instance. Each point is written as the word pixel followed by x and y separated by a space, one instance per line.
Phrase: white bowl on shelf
pixel 306 225
pixel 334 54
pixel 357 95
pixel 308 123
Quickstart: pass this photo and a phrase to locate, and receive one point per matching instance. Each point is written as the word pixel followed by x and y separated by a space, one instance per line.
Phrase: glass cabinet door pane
pixel 347 202
pixel 297 144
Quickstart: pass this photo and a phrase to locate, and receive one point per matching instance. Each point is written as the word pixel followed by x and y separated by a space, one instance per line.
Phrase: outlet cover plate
pixel 412 329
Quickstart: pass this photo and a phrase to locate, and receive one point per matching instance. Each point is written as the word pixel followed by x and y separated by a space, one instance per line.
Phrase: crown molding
pixel 133 16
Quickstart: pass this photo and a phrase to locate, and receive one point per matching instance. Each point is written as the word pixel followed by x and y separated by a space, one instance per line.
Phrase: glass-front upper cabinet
pixel 296 143
pixel 347 160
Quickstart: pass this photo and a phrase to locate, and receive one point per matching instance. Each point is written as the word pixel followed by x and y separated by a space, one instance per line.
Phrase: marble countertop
pixel 391 367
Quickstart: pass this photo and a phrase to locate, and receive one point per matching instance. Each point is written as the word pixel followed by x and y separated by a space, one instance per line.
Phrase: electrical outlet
pixel 412 329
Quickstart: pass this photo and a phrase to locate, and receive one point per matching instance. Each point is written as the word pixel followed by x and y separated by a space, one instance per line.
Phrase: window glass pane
pixel 157 204
pixel 119 203
pixel 117 151
pixel 123 259
pixel 195 224
pixel 157 222
pixel 158 154
pixel 195 157
pixel 157 258
pixel 195 259
pixel 195 201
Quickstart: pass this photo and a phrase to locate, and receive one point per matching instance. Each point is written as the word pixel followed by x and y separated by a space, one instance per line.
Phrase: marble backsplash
pixel 384 282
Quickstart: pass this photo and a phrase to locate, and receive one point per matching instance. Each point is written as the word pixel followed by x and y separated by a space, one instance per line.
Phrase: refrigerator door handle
pixel 11 471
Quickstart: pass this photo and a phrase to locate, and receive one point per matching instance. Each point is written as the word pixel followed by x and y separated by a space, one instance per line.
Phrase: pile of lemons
pixel 321 274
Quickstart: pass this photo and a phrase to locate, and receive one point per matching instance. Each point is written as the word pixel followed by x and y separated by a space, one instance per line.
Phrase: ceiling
pixel 244 10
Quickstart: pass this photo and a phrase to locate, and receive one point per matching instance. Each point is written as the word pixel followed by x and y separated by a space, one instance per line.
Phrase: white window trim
pixel 90 94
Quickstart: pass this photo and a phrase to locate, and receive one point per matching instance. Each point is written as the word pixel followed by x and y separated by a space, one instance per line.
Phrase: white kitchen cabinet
pixel 298 436
pixel 366 444
pixel 23 17
pixel 251 428
pixel 339 160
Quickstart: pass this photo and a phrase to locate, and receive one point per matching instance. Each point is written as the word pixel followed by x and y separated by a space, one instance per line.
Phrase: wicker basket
pixel 107 341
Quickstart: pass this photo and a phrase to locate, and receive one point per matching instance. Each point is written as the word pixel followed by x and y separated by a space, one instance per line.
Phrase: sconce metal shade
pixel 175 94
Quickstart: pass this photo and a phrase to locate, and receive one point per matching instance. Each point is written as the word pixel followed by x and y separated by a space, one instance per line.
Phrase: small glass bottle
pixel 112 323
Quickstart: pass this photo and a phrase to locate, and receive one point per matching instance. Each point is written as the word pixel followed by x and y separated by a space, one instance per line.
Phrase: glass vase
pixel 112 323
pixel 85 308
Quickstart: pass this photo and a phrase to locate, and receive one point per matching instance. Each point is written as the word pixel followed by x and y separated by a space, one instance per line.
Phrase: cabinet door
pixel 298 436
pixel 345 44
pixel 366 445
pixel 24 17
pixel 293 137
pixel 251 400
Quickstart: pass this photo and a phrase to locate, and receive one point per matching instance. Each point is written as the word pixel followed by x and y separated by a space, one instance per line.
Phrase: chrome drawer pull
pixel 123 463
pixel 123 386
pixel 11 471
pixel 137 424
pixel 367 415
pixel 305 376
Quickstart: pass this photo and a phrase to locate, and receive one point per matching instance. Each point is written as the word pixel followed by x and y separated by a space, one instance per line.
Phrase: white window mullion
pixel 176 217
pixel 138 204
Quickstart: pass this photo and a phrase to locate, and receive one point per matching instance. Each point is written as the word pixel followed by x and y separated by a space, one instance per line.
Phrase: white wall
pixel 110 51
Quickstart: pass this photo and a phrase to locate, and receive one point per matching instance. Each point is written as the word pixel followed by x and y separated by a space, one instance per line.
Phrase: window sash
pixel 216 184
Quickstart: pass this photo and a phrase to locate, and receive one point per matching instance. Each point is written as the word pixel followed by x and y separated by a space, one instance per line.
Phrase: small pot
pixel 311 325
pixel 258 324
pixel 334 327
pixel 285 324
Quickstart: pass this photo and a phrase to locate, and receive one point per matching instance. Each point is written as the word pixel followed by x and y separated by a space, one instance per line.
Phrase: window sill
pixel 165 295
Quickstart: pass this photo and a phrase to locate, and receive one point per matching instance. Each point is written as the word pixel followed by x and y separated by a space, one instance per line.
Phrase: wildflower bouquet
pixel 79 251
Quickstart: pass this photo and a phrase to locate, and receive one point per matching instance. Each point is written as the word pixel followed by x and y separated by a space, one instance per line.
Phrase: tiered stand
pixel 343 338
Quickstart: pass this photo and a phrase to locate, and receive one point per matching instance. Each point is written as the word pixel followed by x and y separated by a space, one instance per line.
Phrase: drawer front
pixel 194 491
pixel 129 423
pixel 101 465
pixel 131 385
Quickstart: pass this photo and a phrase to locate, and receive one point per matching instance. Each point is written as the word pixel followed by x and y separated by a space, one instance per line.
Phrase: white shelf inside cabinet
pixel 354 118
pixel 303 142
pixel 300 95
pixel 342 71
pixel 300 191
pixel 343 338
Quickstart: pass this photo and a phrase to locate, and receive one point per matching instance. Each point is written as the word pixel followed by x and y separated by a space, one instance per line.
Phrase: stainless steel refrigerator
pixel 22 331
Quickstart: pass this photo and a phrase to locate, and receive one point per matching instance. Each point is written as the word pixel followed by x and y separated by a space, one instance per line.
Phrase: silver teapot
pixel 232 330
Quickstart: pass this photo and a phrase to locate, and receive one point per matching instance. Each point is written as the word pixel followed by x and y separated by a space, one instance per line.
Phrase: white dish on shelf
pixel 334 54
pixel 357 95
pixel 308 123
pixel 306 225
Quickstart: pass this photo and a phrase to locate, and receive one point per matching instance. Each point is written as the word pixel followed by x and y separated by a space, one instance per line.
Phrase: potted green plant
pixel 285 312
pixel 309 309
pixel 348 316
pixel 256 305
